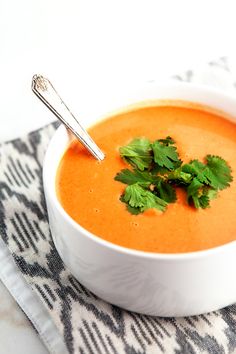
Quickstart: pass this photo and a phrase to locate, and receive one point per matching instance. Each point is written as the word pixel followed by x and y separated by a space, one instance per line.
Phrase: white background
pixel 89 48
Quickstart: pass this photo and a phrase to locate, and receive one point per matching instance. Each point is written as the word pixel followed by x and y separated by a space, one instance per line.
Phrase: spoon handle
pixel 45 91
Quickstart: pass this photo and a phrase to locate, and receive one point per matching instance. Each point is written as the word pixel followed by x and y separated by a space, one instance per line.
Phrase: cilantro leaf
pixel 137 153
pixel 197 169
pixel 132 210
pixel 165 154
pixel 211 193
pixel 195 195
pixel 179 177
pixel 129 177
pixel 145 179
pixel 194 187
pixel 215 173
pixel 138 197
pixel 165 191
pixel 202 201
pixel 218 172
pixel 158 170
pixel 199 194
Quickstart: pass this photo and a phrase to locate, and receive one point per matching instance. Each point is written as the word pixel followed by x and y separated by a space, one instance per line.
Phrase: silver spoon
pixel 45 91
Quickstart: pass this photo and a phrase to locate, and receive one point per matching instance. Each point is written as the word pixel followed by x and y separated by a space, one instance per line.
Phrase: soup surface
pixel 89 194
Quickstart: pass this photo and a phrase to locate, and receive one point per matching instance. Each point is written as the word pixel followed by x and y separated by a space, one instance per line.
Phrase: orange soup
pixel 89 194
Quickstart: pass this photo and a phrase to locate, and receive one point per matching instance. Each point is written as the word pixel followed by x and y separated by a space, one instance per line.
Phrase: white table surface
pixel 88 47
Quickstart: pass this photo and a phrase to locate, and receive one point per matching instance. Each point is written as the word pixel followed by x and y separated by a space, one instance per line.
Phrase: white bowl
pixel 148 283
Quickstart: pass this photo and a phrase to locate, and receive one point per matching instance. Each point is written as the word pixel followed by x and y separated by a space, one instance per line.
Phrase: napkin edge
pixel 29 303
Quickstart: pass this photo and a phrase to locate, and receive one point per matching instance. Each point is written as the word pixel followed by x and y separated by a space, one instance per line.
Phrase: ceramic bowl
pixel 150 283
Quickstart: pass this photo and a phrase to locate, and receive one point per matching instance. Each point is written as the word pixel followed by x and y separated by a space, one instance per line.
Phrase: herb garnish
pixel 157 170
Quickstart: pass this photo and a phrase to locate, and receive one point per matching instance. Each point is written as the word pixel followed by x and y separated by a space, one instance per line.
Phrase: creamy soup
pixel 89 194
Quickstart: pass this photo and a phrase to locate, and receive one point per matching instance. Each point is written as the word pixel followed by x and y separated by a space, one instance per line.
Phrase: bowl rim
pixel 121 249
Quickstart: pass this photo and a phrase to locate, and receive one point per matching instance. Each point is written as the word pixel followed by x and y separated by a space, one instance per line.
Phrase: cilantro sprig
pixel 156 170
pixel 137 153
pixel 165 154
pixel 142 199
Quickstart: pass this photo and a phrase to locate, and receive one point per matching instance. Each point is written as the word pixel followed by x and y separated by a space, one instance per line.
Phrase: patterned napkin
pixel 67 316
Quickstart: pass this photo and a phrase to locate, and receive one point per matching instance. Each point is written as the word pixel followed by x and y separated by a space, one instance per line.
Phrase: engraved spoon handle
pixel 45 91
